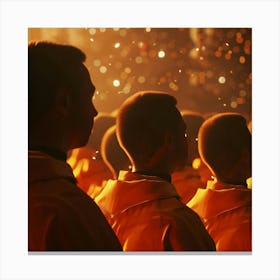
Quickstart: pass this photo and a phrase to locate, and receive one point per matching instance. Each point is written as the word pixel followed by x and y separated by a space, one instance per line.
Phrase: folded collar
pixel 133 189
pixel 42 167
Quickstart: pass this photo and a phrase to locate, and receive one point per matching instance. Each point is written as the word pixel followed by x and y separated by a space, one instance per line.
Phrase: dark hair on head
pixel 143 121
pixel 221 140
pixel 193 121
pixel 101 123
pixel 51 67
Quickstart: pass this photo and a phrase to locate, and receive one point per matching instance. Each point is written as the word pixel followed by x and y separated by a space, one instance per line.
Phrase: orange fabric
pixel 186 182
pixel 146 214
pixel 60 215
pixel 88 167
pixel 226 211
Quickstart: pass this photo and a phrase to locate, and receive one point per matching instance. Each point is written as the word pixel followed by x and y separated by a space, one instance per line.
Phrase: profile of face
pixel 83 111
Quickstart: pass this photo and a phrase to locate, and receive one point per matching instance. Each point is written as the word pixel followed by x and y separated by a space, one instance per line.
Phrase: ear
pixel 62 102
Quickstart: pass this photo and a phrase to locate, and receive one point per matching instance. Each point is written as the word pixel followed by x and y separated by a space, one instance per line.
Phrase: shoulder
pixel 185 230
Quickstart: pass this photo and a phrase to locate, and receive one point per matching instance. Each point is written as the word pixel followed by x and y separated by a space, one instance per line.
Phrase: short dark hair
pixel 143 120
pixel 101 123
pixel 193 121
pixel 51 67
pixel 221 141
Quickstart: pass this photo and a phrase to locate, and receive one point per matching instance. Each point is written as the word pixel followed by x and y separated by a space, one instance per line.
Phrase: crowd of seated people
pixel 149 176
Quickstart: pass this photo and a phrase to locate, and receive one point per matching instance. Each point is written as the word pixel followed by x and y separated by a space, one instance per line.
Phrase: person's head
pixel 112 153
pixel 224 143
pixel 152 132
pixel 101 123
pixel 193 121
pixel 60 94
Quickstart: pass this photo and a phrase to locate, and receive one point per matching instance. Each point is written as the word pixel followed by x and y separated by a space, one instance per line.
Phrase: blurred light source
pixel 196 163
pixel 97 62
pixel 103 69
pixel 242 59
pixel 233 104
pixel 139 59
pixel 92 31
pixel 116 83
pixel 141 79
pixel 127 70
pixel 173 86
pixel 222 79
pixel 161 54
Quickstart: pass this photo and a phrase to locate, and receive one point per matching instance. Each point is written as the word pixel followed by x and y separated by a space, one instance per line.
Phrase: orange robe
pixel 147 215
pixel 61 217
pixel 186 183
pixel 89 169
pixel 226 211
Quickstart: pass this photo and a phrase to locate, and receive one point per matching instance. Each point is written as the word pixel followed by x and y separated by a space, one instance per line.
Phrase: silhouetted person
pixel 113 156
pixel 60 117
pixel 225 205
pixel 143 206
pixel 188 180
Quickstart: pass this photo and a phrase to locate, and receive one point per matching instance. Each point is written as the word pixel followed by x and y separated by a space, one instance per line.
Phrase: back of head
pixel 225 143
pixel 51 67
pixel 101 123
pixel 112 153
pixel 143 121
pixel 193 121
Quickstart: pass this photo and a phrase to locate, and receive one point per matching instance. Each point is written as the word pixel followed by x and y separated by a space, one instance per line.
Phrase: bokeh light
pixel 116 83
pixel 206 69
pixel 161 54
pixel 222 79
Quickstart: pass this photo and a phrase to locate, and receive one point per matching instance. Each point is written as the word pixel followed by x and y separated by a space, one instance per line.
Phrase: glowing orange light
pixel 141 79
pixel 233 104
pixel 240 100
pixel 173 86
pixel 239 40
pixel 127 70
pixel 85 165
pixel 218 53
pixel 242 59
pixel 196 163
pixel 228 56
